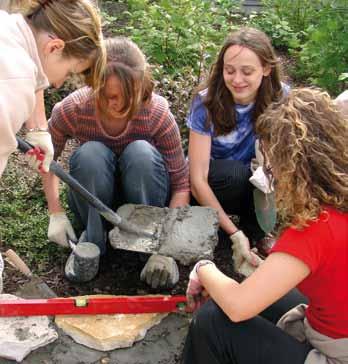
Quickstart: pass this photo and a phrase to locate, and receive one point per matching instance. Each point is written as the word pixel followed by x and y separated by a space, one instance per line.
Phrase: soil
pixel 119 270
pixel 118 275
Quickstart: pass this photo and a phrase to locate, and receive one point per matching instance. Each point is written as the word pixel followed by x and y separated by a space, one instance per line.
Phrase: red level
pixel 92 306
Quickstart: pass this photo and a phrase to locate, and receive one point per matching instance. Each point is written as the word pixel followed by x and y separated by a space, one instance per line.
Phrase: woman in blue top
pixel 244 80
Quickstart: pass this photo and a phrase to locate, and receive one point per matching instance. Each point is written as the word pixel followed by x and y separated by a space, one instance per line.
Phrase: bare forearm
pixel 38 119
pixel 179 199
pixel 51 189
pixel 222 289
pixel 206 197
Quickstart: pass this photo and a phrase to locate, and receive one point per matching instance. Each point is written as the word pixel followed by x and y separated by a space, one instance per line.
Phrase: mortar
pixel 186 233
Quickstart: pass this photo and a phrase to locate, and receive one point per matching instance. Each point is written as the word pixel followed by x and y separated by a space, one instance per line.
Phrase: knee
pixel 204 320
pixel 229 174
pixel 91 157
pixel 139 154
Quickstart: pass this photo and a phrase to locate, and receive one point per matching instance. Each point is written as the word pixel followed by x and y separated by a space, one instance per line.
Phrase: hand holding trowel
pixel 186 234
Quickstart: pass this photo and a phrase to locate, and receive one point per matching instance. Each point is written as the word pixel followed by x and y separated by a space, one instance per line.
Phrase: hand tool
pixel 93 306
pixel 35 287
pixel 102 209
pixel 265 210
pixel 187 234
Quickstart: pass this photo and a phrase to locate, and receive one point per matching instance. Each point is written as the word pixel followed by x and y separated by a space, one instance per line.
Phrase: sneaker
pixel 83 263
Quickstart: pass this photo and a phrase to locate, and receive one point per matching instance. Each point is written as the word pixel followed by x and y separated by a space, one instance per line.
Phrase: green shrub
pixel 324 57
pixel 277 28
pixel 180 33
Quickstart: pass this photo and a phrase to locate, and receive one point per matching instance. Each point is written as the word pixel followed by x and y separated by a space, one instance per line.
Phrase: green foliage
pixel 277 28
pixel 298 14
pixel 23 216
pixel 180 33
pixel 324 57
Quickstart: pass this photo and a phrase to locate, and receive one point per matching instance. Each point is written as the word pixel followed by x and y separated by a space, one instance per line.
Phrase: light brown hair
pixel 78 24
pixel 127 62
pixel 219 101
pixel 304 138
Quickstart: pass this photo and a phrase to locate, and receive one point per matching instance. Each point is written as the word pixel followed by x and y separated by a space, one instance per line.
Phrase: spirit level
pixel 92 306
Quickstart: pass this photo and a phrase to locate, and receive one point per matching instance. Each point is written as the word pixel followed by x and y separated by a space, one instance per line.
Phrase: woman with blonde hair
pixel 304 142
pixel 130 152
pixel 51 41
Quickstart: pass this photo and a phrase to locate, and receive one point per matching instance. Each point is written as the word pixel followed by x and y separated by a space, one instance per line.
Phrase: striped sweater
pixel 76 117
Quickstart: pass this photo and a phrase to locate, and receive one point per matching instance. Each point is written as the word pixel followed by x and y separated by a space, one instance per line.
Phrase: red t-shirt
pixel 323 247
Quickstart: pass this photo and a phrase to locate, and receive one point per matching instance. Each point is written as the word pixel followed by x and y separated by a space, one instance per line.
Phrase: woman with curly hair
pixel 304 142
pixel 244 79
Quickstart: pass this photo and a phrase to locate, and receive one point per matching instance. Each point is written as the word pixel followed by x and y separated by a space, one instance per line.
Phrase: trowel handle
pixel 56 169
pixel 18 262
pixel 102 209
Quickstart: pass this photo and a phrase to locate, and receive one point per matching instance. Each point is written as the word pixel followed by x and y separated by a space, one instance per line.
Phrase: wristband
pixel 37 129
pixel 202 263
pixel 235 232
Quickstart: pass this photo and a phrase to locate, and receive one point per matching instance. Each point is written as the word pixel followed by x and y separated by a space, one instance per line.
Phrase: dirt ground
pixel 118 275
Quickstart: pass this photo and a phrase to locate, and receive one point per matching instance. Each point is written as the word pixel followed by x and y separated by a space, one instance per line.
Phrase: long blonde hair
pixel 305 139
pixel 78 24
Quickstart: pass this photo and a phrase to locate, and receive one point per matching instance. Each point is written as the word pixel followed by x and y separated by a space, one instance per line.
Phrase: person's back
pixel 46 44
pixel 323 246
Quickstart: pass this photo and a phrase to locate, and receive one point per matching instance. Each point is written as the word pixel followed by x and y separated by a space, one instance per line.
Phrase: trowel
pixel 186 234
pixel 35 287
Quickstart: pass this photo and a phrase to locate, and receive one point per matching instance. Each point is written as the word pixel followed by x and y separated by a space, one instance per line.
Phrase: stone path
pixel 162 344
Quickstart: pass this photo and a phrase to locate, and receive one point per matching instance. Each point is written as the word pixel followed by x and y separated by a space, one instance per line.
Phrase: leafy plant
pixel 180 33
pixel 277 28
pixel 324 57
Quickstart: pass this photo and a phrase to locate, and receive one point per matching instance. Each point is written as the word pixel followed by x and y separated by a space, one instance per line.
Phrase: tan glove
pixel 342 102
pixel 160 272
pixel 245 259
pixel 43 140
pixel 60 229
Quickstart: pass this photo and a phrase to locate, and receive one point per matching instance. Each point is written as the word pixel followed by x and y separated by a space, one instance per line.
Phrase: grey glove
pixel 160 272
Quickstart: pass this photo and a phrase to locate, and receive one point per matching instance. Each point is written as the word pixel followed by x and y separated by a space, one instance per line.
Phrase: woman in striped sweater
pixel 130 152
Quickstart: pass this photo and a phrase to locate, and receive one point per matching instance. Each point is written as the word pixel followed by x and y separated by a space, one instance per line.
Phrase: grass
pixel 23 215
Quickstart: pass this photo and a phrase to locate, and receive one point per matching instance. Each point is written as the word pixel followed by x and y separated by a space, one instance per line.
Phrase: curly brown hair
pixel 304 138
pixel 219 101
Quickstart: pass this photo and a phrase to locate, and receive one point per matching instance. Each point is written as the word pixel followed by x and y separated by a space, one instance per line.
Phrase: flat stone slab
pixel 186 234
pixel 162 344
pixel 108 332
pixel 21 335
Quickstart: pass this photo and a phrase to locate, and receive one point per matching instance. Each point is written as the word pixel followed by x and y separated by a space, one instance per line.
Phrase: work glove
pixel 342 103
pixel 160 272
pixel 41 139
pixel 196 295
pixel 60 229
pixel 243 256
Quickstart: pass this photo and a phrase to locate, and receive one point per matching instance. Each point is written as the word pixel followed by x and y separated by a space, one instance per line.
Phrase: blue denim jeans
pixel 138 176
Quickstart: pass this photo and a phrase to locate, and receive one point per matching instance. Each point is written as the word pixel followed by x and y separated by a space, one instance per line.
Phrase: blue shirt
pixel 239 144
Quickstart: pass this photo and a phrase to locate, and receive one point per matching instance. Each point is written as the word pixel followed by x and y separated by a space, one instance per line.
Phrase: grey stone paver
pixel 162 345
